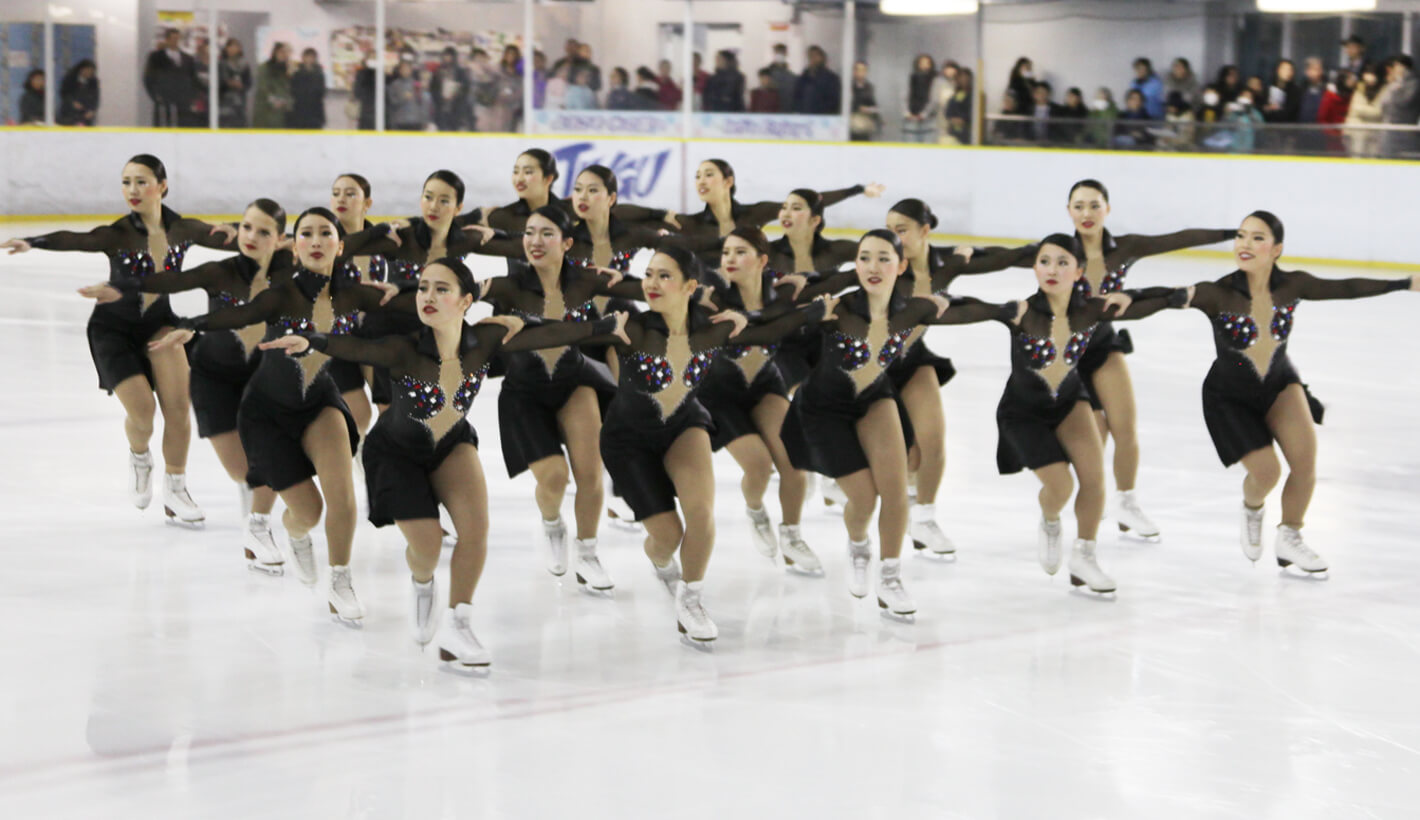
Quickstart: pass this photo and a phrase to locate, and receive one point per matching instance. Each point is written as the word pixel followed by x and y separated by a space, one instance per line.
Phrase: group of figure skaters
pixel 766 349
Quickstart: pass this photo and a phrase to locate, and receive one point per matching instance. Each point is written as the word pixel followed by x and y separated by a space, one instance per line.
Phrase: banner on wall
pixel 800 127
pixel 619 123
pixel 644 172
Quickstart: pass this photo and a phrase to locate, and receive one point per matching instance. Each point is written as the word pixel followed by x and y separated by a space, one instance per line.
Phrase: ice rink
pixel 145 672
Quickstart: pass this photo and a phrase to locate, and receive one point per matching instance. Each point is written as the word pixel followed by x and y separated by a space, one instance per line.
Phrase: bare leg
pixel 170 382
pixel 552 475
pixel 880 432
pixel 1056 487
pixel 327 445
pixel 139 407
pixel 1263 473
pixel 303 508
pixel 862 499
pixel 663 535
pixel 228 447
pixel 424 536
pixel 689 465
pixel 580 420
pixel 1115 390
pixel 756 463
pixel 769 416
pixel 1080 438
pixel 463 490
pixel 922 397
pixel 1291 421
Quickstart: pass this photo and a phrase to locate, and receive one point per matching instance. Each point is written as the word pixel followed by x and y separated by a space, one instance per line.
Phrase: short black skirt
pixel 919 355
pixel 397 476
pixel 821 431
pixel 217 395
pixel 635 456
pixel 798 354
pixel 1026 438
pixel 119 346
pixel 347 375
pixel 271 434
pixel 1235 405
pixel 1106 340
pixel 527 413
pixel 731 402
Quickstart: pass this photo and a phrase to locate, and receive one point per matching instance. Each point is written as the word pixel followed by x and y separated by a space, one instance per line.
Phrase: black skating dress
pixel 402 264
pixel 537 383
pixel 427 418
pixel 702 229
pixel 1046 351
pixel 348 376
pixel 656 397
pixel 513 217
pixel 223 361
pixel 286 394
pixel 119 332
pixel 1252 367
pixel 743 374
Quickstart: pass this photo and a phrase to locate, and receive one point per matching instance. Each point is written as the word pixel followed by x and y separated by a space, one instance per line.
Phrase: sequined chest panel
pixel 853 353
pixel 426 399
pixel 654 373
pixel 138 264
pixel 1040 351
pixel 1240 329
pixel 1113 282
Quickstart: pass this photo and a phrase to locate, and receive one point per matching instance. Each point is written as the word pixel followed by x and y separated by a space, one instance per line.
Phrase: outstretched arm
pixel 627 212
pixel 992 260
pixel 1138 304
pixel 772 331
pixel 832 283
pixel 204 276
pixel 266 306
pixel 201 233
pixel 393 352
pixel 1316 287
pixel 102 238
pixel 381 239
pixel 557 334
pixel 964 310
pixel 1139 245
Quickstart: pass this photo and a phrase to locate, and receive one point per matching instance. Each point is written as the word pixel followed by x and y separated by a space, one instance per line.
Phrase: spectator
pixel 667 91
pixel 1020 84
pixel 560 95
pixel 450 92
pixel 483 79
pixel 1210 107
pixel 168 79
pixel 648 90
pixel 1335 104
pixel 32 100
pixel 1243 119
pixel 958 110
pixel 1229 83
pixel 1179 114
pixel 701 78
pixel 1401 106
pixel 818 90
pixel 580 96
pixel 1131 130
pixel 863 119
pixel 783 77
pixel 571 55
pixel 1044 114
pixel 79 95
pixel 1074 114
pixel 507 107
pixel 765 98
pixel 195 115
pixel 1103 113
pixel 946 89
pixel 233 83
pixel 364 92
pixel 725 90
pixel 593 74
pixel 273 89
pixel 405 106
pixel 1257 86
pixel 307 94
pixel 1012 130
pixel 1149 86
pixel 1365 109
pixel 1182 81
pixel 1312 89
pixel 621 97
pixel 1284 96
pixel 540 78
pixel 1355 51
pixel 918 120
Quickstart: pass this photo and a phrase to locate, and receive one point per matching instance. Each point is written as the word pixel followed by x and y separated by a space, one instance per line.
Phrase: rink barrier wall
pixel 1338 210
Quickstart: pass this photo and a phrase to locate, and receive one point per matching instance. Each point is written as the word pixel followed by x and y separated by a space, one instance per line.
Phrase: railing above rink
pixel 1228 136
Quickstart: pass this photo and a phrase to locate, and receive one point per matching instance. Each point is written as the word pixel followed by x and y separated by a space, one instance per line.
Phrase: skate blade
pixel 1134 535
pixel 1078 584
pixel 1291 570
pixel 705 645
pixel 898 617
pixel 354 623
pixel 596 592
pixel 920 550
pixel 272 570
pixel 195 524
pixel 794 569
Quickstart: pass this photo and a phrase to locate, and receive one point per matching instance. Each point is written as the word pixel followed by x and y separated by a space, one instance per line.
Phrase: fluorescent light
pixel 1304 6
pixel 928 7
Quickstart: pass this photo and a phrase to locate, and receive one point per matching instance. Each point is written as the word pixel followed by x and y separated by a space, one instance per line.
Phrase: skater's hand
pixel 103 293
pixel 513 324
pixel 286 243
pixel 797 281
pixel 225 230
pixel 965 252
pixel 1116 303
pixel 1020 311
pixel 1189 301
pixel 873 190
pixel 389 290
pixel 485 231
pixel 829 304
pixel 942 303
pixel 739 320
pixel 397 224
pixel 1414 285
pixel 394 232
pixel 613 277
pixel 620 330
pixel 16 246
pixel 175 338
pixel 672 218
pixel 293 344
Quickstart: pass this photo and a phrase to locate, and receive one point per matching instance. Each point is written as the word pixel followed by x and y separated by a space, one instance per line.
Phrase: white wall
pixel 976 192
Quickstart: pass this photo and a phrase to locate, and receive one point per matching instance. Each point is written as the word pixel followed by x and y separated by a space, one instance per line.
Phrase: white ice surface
pixel 145 672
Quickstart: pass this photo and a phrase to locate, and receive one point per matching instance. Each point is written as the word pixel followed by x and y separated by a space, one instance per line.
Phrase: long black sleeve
pixel 1139 245
pixel 558 334
pixel 772 331
pixel 829 198
pixel 265 307
pixel 102 238
pixel 372 241
pixel 392 352
pixel 206 276
pixel 1316 287
pixel 964 310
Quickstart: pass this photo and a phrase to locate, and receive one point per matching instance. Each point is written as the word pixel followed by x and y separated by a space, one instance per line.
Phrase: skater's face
pixel 666 286
pixel 1088 210
pixel 348 201
pixel 1255 248
pixel 441 300
pixel 543 240
pixel 257 234
pixel 141 187
pixel 878 266
pixel 590 196
pixel 710 183
pixel 1056 270
pixel 912 233
pixel 528 177
pixel 439 203
pixel 317 243
pixel 796 217
pixel 740 261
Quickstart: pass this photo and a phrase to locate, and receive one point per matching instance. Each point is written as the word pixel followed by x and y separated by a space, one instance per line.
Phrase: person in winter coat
pixel 404 99
pixel 1335 104
pixel 79 95
pixel 725 90
pixel 818 90
pixel 449 93
pixel 1148 84
pixel 783 77
pixel 918 121
pixel 307 94
pixel 1183 82
pixel 273 89
pixel 1401 106
pixel 32 100
pixel 233 83
pixel 1366 109
pixel 1021 85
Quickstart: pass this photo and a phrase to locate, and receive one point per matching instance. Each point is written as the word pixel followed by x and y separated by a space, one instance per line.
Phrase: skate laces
pixel 1294 542
pixel 340 581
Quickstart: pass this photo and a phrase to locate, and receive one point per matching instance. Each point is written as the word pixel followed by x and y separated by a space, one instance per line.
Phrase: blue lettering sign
pixel 636 175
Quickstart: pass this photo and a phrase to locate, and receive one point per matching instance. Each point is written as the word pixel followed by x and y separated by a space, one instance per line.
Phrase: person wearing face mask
pixel 1253 394
pixel 783 77
pixel 1243 120
pixel 1103 113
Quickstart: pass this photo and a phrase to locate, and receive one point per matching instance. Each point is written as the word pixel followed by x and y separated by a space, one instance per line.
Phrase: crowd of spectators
pixel 1180 111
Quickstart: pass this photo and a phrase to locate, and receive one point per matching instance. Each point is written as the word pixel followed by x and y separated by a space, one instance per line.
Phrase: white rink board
pixel 1358 211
